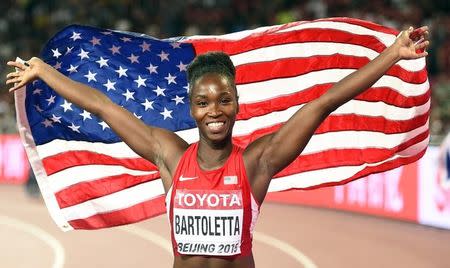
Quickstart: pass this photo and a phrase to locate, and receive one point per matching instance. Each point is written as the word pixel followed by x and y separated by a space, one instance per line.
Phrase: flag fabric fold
pixel 90 179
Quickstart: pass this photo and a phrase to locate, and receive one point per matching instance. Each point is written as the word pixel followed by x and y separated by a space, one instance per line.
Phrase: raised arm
pixel 270 154
pixel 161 147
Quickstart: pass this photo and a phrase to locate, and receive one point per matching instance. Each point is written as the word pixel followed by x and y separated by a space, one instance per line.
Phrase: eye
pixel 225 100
pixel 201 103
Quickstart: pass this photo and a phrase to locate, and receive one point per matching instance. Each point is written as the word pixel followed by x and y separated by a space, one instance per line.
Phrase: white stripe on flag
pixel 318 143
pixel 385 38
pixel 70 176
pixel 335 174
pixel 311 49
pixel 265 90
pixel 116 201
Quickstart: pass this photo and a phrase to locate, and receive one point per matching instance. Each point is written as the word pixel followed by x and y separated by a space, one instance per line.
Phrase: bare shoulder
pixel 168 154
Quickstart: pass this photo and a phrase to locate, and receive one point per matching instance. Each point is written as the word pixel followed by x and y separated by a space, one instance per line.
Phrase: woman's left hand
pixel 412 43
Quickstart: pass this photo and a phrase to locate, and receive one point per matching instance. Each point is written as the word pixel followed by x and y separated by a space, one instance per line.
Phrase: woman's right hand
pixel 25 73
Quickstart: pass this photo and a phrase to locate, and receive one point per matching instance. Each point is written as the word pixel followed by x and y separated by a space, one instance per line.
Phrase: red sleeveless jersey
pixel 211 212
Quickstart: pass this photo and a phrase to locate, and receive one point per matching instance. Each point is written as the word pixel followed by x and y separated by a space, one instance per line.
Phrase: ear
pixel 237 101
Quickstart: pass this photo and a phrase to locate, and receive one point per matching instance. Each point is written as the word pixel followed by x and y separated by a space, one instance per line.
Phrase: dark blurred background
pixel 25 26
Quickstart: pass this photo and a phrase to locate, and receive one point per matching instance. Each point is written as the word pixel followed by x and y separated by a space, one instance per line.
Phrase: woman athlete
pixel 214 189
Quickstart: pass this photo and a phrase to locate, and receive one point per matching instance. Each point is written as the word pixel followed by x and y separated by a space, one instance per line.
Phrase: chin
pixel 218 139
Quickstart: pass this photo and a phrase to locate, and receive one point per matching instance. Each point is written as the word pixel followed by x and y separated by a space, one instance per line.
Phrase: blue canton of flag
pixel 142 74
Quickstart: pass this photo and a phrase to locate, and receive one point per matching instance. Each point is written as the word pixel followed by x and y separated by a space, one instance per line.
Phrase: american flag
pixel 90 179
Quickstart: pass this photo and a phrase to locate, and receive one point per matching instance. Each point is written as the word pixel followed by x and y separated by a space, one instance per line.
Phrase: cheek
pixel 196 113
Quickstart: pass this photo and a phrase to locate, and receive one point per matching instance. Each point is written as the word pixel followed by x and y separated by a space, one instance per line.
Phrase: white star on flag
pixel 145 46
pixel 166 113
pixel 170 79
pixel 122 72
pixel 178 99
pixel 86 115
pixel 104 125
pixel 72 69
pixel 69 50
pixel 47 123
pixel 152 68
pixel 83 54
pixel 37 91
pixel 67 106
pixel 125 39
pixel 163 55
pixel 182 67
pixel 133 58
pixel 128 95
pixel 159 91
pixel 140 81
pixel 51 100
pixel 57 66
pixel 115 49
pixel 75 36
pixel 56 119
pixel 95 41
pixel 137 116
pixel 56 53
pixel 110 85
pixel 39 109
pixel 175 45
pixel 91 76
pixel 103 62
pixel 147 104
pixel 74 128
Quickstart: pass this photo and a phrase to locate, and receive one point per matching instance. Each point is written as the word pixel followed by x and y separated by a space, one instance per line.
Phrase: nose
pixel 214 110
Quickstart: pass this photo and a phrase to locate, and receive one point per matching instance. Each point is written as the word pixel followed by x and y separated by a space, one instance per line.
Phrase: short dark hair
pixel 211 62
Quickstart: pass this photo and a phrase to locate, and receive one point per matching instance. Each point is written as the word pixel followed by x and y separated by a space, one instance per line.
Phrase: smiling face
pixel 214 105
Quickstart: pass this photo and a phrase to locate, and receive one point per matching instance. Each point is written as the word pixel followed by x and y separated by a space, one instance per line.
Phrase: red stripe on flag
pixel 386 95
pixel 84 191
pixel 61 161
pixel 334 123
pixel 141 211
pixel 388 165
pixel 363 23
pixel 345 157
pixel 291 67
pixel 261 40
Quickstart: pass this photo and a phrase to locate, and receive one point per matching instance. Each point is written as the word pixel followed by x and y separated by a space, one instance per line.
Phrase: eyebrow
pixel 199 97
pixel 204 96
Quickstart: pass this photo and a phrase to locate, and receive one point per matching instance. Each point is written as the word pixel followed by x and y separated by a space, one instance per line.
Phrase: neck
pixel 213 155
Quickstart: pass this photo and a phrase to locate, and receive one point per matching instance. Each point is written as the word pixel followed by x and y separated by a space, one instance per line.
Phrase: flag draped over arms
pixel 90 179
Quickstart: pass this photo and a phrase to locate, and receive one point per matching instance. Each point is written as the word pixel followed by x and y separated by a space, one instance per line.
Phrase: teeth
pixel 215 124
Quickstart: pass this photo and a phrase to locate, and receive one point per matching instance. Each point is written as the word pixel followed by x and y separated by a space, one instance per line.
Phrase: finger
pixel 16 87
pixel 420 55
pixel 419 32
pixel 422 45
pixel 13 74
pixel 17 65
pixel 13 80
pixel 423 28
pixel 418 42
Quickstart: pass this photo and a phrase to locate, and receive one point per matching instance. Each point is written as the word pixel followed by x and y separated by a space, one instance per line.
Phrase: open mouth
pixel 215 126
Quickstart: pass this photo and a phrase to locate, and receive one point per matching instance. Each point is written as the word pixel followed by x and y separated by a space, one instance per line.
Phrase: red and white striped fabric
pixel 279 69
